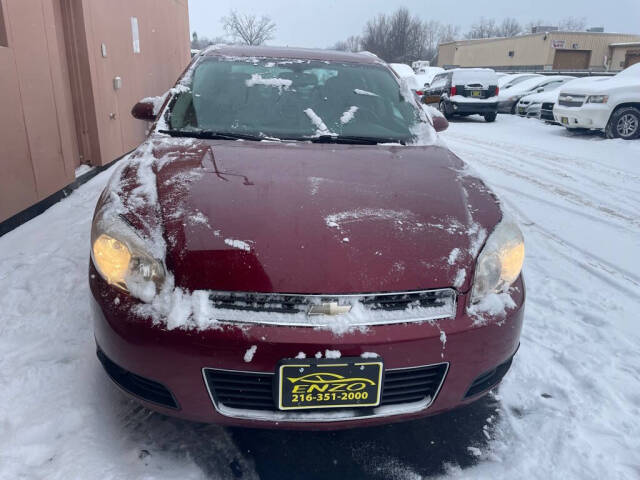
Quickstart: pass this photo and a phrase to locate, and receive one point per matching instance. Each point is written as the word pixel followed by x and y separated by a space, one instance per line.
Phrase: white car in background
pixel 530 106
pixel 425 75
pixel 508 80
pixel 610 104
pixel 406 73
pixel 508 98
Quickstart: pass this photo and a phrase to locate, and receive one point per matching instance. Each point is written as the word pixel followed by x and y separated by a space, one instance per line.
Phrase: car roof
pixel 472 69
pixel 290 53
pixel 402 69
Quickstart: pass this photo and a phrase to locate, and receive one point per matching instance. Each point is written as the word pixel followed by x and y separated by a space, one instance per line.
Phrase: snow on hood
pixel 629 78
pixel 194 200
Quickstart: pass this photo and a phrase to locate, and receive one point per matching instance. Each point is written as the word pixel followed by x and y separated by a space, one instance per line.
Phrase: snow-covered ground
pixel 569 408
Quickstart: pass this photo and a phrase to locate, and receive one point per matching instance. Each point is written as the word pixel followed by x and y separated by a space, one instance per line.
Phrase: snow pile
pixel 492 306
pixel 179 309
pixel 332 354
pixel 321 127
pixel 357 91
pixel 156 101
pixel 248 355
pixel 401 219
pixel 348 115
pixel 239 244
pixel 453 256
pixel 279 83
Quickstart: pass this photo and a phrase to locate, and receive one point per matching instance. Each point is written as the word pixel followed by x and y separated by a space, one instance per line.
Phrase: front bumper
pixel 473 107
pixel 178 359
pixel 589 115
pixel 529 111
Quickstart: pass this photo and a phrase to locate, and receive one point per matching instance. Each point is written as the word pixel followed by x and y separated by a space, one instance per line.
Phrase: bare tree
pixel 351 44
pixel 249 29
pixel 483 28
pixel 375 37
pixel 572 24
pixel 399 37
pixel 448 33
pixel 509 28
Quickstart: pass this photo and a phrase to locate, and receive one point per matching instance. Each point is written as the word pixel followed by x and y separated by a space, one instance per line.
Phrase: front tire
pixel 490 117
pixel 624 123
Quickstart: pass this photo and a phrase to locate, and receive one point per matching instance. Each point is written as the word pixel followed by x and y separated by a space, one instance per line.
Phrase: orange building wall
pixel 59 105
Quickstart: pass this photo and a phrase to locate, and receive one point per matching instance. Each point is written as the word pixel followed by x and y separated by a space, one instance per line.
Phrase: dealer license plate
pixel 328 383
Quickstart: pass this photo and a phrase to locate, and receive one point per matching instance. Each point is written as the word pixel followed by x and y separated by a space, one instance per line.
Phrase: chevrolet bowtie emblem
pixel 329 308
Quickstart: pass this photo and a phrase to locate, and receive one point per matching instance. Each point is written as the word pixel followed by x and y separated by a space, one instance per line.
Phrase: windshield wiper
pixel 211 135
pixel 354 139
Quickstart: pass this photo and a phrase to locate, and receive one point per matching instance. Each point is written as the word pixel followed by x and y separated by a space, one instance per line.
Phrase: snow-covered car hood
pixel 597 85
pixel 315 218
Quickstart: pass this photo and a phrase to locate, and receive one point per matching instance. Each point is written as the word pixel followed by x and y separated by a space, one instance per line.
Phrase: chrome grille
pixel 568 100
pixel 366 309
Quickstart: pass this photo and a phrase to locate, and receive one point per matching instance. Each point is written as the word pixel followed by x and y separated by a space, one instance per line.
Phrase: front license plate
pixel 564 120
pixel 475 93
pixel 327 383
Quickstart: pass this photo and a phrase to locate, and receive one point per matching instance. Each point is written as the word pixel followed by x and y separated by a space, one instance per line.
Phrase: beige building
pixel 70 71
pixel 544 51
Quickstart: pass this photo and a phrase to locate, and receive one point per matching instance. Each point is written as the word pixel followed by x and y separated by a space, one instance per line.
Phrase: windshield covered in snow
pixel 293 99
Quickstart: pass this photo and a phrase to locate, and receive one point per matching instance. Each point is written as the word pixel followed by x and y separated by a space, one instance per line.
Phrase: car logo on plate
pixel 329 308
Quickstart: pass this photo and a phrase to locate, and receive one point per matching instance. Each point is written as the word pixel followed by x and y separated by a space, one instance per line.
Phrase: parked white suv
pixel 611 104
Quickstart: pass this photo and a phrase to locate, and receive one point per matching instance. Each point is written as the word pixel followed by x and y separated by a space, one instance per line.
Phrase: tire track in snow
pixel 578 162
pixel 557 190
pixel 548 163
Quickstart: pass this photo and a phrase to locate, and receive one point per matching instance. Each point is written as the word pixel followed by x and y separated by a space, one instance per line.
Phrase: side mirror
pixel 427 85
pixel 147 108
pixel 540 90
pixel 439 123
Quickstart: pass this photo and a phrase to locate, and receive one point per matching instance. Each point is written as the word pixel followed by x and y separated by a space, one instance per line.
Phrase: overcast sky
pixel 307 23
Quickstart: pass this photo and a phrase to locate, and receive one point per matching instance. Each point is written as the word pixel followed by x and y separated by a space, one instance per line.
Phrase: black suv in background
pixel 464 91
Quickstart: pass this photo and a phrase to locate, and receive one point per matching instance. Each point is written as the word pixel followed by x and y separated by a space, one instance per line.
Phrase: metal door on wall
pixel 571 59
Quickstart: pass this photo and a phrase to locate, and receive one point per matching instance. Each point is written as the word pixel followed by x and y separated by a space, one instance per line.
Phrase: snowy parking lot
pixel 569 408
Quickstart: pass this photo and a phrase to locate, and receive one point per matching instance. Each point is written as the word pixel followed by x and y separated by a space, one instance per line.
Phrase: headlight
pixel 598 99
pixel 500 261
pixel 122 259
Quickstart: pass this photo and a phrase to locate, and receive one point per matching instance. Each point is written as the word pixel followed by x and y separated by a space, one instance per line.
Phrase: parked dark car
pixel 465 91
pixel 292 248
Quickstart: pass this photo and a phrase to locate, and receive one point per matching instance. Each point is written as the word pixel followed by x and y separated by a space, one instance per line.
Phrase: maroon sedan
pixel 292 246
